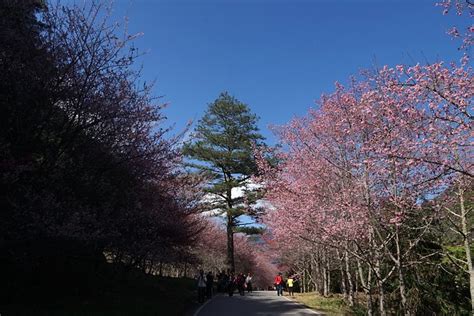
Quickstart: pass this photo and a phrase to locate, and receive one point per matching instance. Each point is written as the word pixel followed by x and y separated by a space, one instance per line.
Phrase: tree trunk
pixel 366 286
pixel 230 244
pixel 325 275
pixel 319 277
pixel 328 277
pixel 343 277
pixel 313 276
pixel 401 277
pixel 356 286
pixel 310 273
pixel 370 299
pixel 380 286
pixel 467 242
pixel 304 280
pixel 151 266
pixel 349 279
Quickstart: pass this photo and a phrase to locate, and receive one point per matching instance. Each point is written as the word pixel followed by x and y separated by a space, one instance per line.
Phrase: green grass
pixel 137 294
pixel 333 305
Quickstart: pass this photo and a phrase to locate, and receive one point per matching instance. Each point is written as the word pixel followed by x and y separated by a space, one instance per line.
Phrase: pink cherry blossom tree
pixel 368 157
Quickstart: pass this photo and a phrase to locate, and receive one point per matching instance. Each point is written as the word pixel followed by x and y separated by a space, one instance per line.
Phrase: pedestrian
pixel 201 285
pixel 220 282
pixel 225 282
pixel 248 282
pixel 231 284
pixel 241 283
pixel 289 285
pixel 209 284
pixel 279 284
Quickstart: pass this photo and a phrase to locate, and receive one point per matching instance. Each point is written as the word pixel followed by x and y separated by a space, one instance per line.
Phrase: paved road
pixel 263 303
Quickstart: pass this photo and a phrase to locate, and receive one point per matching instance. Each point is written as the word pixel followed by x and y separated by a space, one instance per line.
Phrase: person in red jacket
pixel 279 284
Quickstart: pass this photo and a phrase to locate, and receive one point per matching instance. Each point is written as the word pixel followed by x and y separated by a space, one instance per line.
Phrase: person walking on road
pixel 221 281
pixel 241 283
pixel 231 284
pixel 289 285
pixel 201 285
pixel 225 282
pixel 279 284
pixel 248 282
pixel 209 284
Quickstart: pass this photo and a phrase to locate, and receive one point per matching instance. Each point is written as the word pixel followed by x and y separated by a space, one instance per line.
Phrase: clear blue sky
pixel 276 56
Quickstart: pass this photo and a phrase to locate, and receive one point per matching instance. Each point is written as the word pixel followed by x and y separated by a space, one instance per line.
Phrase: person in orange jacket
pixel 279 284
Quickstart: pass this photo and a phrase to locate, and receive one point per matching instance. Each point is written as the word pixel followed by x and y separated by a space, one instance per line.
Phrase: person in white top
pixel 201 285
pixel 248 282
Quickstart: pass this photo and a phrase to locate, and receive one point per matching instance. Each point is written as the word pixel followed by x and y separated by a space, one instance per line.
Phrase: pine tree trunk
pixel 230 244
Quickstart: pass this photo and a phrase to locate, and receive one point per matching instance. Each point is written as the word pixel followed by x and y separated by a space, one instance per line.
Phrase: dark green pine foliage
pixel 222 148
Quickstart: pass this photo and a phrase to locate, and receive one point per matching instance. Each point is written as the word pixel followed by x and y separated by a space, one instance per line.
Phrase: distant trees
pixel 249 255
pixel 85 166
pixel 222 149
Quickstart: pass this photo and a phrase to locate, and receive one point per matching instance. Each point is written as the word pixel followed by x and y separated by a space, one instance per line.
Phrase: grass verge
pixel 331 306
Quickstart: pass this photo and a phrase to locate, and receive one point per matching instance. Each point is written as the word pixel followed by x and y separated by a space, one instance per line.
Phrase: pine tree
pixel 222 147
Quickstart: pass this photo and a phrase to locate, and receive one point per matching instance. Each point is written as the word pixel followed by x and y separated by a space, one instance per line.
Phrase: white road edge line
pixel 298 303
pixel 202 306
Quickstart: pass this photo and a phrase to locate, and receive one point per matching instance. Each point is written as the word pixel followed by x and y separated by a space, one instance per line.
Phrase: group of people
pixel 205 285
pixel 289 284
pixel 227 282
pixel 242 282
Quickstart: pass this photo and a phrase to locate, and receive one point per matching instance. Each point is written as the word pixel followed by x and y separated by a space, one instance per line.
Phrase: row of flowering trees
pixel 362 173
pixel 251 256
pixel 86 168
pixel 89 172
pixel 368 179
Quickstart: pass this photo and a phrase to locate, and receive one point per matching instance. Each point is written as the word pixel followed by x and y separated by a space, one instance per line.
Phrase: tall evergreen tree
pixel 222 147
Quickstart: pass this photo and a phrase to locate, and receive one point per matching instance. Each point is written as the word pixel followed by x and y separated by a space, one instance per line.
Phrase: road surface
pixel 261 303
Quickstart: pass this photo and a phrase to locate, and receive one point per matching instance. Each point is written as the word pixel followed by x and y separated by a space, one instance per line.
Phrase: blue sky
pixel 276 56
